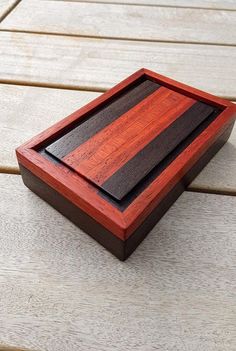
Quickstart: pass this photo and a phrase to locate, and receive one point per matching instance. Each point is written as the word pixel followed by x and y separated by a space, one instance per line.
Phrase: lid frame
pixel 84 195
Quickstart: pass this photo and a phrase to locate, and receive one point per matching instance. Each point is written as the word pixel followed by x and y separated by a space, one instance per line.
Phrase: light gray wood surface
pixel 211 4
pixel 60 290
pixel 99 63
pixel 5 6
pixel 26 111
pixel 220 174
pixel 126 21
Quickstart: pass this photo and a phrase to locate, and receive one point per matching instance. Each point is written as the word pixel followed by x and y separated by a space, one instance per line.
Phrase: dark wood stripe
pixel 98 120
pixel 128 176
pixel 156 171
pixel 111 148
pixel 146 181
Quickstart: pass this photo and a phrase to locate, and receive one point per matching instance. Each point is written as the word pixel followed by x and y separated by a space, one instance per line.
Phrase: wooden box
pixel 115 166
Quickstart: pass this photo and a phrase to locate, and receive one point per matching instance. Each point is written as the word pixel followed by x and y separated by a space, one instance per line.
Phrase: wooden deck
pixel 59 289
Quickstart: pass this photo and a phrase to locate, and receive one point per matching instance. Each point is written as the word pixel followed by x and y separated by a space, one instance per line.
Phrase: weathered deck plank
pixel 5 6
pixel 124 21
pixel 99 63
pixel 208 4
pixel 60 290
pixel 26 111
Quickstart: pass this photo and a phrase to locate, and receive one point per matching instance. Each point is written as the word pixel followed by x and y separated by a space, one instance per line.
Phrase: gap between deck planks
pixel 58 284
pixel 26 111
pixel 197 4
pixel 98 64
pixel 123 22
pixel 6 6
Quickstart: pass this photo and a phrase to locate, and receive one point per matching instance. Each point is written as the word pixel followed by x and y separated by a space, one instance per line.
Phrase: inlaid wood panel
pixel 57 284
pixel 95 65
pixel 116 144
pixel 124 21
pixel 118 156
pixel 102 117
pixel 156 151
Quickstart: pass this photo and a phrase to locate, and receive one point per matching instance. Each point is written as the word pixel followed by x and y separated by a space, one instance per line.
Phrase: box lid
pixel 119 156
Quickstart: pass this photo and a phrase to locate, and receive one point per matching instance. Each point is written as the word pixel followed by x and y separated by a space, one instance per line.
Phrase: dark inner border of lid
pixel 135 92
pixel 151 176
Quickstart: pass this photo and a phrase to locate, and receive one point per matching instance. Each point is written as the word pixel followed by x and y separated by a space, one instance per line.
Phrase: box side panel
pixel 73 213
pixel 121 249
pixel 134 240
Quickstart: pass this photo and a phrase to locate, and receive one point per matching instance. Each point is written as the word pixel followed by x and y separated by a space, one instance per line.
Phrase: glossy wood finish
pixel 110 149
pixel 154 154
pixel 85 196
pixel 123 153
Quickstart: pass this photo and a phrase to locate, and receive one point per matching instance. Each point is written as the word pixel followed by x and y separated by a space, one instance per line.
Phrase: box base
pixel 121 249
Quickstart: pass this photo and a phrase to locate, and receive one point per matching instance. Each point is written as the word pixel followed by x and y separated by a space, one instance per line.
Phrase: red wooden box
pixel 116 165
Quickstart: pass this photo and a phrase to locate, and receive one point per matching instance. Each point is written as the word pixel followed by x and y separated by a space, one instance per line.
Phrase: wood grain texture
pixel 124 22
pixel 208 4
pixel 74 62
pixel 38 108
pixel 157 151
pixel 58 285
pixel 109 150
pixel 5 6
pixel 101 118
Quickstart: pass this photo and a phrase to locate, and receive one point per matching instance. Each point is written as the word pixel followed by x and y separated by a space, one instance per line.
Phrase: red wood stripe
pixel 101 118
pixel 89 153
pixel 106 152
pixel 157 152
